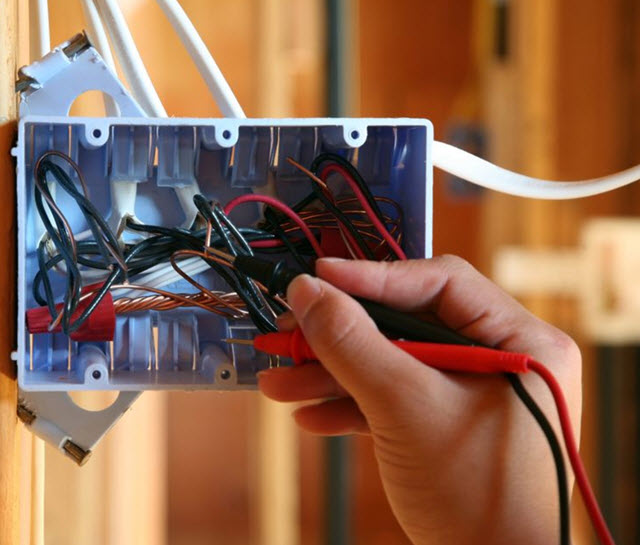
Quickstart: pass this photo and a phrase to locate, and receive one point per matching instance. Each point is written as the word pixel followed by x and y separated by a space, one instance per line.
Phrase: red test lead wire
pixel 582 480
pixel 469 359
pixel 445 357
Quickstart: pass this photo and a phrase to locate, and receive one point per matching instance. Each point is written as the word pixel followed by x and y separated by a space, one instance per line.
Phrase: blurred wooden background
pixel 555 93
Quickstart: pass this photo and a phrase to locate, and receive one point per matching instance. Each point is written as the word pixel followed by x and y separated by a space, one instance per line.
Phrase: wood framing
pixel 9 432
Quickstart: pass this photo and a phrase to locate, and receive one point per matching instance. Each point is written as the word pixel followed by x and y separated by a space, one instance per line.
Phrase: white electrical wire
pixel 130 60
pixel 39 46
pixel 98 37
pixel 143 91
pixel 213 77
pixel 164 275
pixel 39 36
pixel 96 32
pixel 195 46
pixel 483 173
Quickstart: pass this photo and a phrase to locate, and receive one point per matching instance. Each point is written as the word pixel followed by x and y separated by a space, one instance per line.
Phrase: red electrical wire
pixel 275 203
pixel 590 502
pixel 326 171
pixel 266 243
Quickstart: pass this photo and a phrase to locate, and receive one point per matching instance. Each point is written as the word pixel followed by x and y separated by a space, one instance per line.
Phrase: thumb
pixel 347 342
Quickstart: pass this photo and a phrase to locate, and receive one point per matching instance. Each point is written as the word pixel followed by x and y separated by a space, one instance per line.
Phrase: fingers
pixel 299 383
pixel 454 291
pixel 347 342
pixel 333 417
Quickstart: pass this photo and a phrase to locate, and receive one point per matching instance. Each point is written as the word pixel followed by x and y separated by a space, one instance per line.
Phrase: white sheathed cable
pixel 483 173
pixel 98 37
pixel 39 35
pixel 140 84
pixel 164 275
pixel 195 46
pixel 123 193
pixel 96 32
pixel 130 60
pixel 211 73
pixel 39 46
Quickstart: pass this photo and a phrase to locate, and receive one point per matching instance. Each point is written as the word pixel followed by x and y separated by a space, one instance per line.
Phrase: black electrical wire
pixel 357 178
pixel 355 174
pixel 64 244
pixel 244 245
pixel 241 284
pixel 272 219
pixel 227 232
pixel 105 241
pixel 136 258
pixel 97 224
pixel 342 218
pixel 556 451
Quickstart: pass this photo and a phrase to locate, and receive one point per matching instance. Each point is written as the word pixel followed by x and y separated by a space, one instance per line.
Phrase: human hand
pixel 460 458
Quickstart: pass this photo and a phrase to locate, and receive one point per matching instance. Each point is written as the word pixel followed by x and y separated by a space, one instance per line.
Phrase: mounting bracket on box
pixel 49 87
pixel 149 169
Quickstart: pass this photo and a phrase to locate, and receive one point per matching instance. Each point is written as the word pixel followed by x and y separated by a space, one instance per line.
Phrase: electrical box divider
pixel 150 168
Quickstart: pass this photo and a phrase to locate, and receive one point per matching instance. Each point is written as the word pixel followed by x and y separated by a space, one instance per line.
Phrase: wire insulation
pixel 483 173
pixel 279 205
pixel 582 480
pixel 129 57
pixel 197 49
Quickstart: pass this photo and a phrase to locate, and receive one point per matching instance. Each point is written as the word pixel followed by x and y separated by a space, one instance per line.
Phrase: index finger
pixel 451 289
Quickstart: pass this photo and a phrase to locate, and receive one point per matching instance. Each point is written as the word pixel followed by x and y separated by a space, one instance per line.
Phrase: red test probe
pixel 445 357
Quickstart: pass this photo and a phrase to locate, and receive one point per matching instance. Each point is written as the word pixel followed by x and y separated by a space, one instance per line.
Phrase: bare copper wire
pixel 126 305
pixel 306 171
pixel 345 200
pixel 223 262
pixel 184 300
pixel 174 263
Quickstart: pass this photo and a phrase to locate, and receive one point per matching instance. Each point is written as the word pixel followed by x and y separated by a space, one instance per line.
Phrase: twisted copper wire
pixel 212 255
pixel 126 305
pixel 187 300
pixel 192 281
pixel 319 219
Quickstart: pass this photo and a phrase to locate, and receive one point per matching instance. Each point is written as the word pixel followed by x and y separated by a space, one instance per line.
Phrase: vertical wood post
pixel 277 437
pixel 9 436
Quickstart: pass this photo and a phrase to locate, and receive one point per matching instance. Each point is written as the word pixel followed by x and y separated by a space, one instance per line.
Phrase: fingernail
pixel 302 293
pixel 330 260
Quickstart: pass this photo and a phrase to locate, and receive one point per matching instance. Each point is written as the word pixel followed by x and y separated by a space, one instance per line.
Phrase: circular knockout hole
pixel 355 135
pixel 97 133
pixel 225 374
pixel 226 134
pixel 97 375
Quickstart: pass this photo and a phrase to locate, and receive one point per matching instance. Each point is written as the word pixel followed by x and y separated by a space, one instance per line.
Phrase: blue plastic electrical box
pixel 151 168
